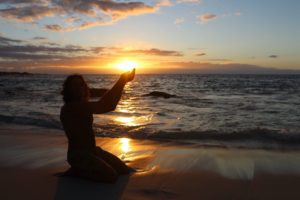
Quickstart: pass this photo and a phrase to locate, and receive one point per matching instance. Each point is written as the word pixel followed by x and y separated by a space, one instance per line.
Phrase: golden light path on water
pixel 125 145
pixel 133 121
pixel 129 116
pixel 127 109
pixel 126 106
pixel 128 121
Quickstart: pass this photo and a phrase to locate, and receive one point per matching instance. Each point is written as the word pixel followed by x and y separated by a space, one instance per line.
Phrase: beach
pixel 30 157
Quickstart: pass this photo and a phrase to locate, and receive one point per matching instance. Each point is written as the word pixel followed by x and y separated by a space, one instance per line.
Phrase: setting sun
pixel 126 65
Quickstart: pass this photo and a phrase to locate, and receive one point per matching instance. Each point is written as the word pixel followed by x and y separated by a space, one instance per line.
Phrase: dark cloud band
pixel 89 12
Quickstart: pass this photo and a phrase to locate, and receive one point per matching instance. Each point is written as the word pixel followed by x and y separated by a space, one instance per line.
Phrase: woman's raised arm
pixel 110 99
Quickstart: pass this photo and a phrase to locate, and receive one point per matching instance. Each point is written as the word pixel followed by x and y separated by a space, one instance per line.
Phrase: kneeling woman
pixel 86 159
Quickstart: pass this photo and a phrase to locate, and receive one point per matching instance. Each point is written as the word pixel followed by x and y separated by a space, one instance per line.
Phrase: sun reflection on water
pixel 133 121
pixel 128 115
pixel 125 145
pixel 128 121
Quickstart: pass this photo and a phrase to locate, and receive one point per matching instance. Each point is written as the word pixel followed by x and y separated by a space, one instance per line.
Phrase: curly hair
pixel 69 95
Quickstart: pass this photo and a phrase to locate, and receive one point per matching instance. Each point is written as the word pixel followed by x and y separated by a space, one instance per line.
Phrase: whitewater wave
pixel 46 121
pixel 258 138
pixel 248 138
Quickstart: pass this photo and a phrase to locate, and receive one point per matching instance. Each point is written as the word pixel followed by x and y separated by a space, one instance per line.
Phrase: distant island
pixel 15 73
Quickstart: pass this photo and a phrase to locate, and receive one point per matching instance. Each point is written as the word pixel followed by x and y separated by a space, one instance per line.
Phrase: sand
pixel 29 158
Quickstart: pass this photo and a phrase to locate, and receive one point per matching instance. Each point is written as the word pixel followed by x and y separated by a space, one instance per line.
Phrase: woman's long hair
pixel 75 91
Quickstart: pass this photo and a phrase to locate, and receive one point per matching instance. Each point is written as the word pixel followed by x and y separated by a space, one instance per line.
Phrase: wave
pixel 249 138
pixel 159 94
pixel 46 121
pixel 243 135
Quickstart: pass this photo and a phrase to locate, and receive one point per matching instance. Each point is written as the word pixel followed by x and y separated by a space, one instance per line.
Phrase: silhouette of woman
pixel 86 159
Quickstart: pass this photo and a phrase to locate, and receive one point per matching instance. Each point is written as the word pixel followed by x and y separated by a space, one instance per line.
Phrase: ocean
pixel 246 111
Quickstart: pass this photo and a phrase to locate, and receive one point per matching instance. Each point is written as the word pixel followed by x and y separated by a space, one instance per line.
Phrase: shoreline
pixel 165 170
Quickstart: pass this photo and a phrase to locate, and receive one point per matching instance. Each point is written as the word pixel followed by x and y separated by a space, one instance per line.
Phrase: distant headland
pixel 15 73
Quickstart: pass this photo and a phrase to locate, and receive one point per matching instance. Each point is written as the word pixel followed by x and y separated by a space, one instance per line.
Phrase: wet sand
pixel 29 158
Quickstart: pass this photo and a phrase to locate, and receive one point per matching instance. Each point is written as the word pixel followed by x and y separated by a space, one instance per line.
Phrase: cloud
pixel 179 21
pixel 30 52
pixel 6 41
pixel 39 38
pixel 200 54
pixel 25 1
pixel 155 52
pixel 207 17
pixel 98 49
pixel 40 55
pixel 51 43
pixel 189 1
pixel 273 56
pixel 28 56
pixel 111 7
pixel 164 3
pixel 219 60
pixel 54 27
pixel 87 13
pixel 29 13
pixel 59 64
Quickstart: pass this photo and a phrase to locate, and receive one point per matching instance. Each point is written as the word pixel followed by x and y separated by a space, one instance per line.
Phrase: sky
pixel 155 36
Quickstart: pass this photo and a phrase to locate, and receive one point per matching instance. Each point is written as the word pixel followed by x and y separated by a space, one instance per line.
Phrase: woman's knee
pixel 108 176
pixel 115 162
pixel 112 177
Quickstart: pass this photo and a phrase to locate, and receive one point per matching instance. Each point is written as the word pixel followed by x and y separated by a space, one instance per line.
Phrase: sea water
pixel 251 111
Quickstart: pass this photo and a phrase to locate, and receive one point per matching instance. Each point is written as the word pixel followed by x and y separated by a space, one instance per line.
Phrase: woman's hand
pixel 110 99
pixel 128 76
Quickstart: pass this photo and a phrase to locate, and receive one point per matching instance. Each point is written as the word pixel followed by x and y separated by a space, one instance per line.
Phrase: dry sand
pixel 165 170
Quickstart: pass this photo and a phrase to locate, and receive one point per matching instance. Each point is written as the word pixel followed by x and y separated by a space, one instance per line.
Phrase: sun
pixel 126 65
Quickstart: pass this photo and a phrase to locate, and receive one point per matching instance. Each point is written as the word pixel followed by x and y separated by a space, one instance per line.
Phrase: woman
pixel 86 159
